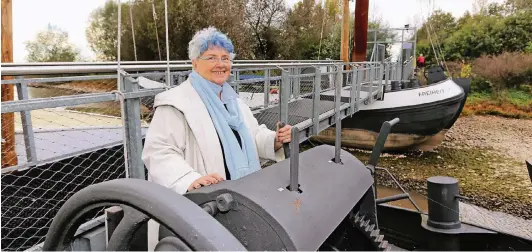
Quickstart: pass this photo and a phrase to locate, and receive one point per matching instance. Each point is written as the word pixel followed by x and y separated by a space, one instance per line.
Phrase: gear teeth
pixel 369 229
pixel 384 245
pixel 360 219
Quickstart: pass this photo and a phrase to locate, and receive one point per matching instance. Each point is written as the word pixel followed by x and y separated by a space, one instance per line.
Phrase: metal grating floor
pixel 298 111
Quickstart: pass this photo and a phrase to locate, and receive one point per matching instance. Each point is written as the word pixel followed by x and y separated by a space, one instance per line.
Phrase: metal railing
pixel 74 131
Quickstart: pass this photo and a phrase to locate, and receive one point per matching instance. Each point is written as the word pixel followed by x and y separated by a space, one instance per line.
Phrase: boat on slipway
pixel 426 113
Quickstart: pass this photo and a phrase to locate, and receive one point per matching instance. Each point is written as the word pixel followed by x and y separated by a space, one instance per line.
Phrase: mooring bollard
pixel 444 214
pixel 443 204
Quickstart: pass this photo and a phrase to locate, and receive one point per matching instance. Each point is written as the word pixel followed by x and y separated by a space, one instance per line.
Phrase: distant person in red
pixel 420 61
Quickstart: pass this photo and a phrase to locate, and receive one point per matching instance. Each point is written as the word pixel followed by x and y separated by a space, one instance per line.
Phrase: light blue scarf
pixel 240 161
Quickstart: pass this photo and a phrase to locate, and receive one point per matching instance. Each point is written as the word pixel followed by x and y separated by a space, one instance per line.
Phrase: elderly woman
pixel 202 132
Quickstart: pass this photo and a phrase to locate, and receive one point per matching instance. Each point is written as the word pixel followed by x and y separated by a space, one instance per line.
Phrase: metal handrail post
pixel 27 126
pixel 316 97
pixel 266 88
pixel 338 120
pixel 284 96
pixel 371 81
pixel 352 93
pixel 133 131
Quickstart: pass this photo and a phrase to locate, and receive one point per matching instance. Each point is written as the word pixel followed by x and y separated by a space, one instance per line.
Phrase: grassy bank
pixel 511 103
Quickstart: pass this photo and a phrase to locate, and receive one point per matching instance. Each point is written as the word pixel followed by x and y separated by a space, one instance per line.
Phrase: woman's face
pixel 214 65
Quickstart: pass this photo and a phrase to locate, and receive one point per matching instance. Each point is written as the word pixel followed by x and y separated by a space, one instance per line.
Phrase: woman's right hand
pixel 210 179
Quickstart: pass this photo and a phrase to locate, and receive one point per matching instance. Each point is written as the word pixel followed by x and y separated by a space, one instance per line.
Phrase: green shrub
pixel 480 85
pixel 528 48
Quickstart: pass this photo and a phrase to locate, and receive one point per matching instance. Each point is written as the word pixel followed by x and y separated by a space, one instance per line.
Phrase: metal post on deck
pixel 297 82
pixel 371 81
pixel 266 87
pixel 352 94
pixel 315 101
pixel 402 56
pixel 414 63
pixel 359 86
pixel 294 160
pixel 390 70
pixel 132 125
pixel 285 95
pixel 379 79
pixel 338 120
pixel 237 78
pixel 387 75
pixel 375 71
pixel 27 126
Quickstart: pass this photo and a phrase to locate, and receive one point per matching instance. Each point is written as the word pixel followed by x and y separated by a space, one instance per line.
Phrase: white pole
pixel 119 37
pixel 120 88
pixel 167 45
pixel 132 30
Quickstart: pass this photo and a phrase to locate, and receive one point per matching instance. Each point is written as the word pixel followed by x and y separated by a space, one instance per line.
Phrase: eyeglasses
pixel 214 59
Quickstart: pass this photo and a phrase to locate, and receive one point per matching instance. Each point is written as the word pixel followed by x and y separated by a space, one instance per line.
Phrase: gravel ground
pixel 510 137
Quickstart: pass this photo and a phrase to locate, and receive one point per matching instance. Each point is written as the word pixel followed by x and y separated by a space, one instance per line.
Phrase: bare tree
pixel 264 17
pixel 480 6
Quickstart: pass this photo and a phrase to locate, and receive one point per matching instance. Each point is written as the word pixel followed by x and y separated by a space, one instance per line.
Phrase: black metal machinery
pixel 312 201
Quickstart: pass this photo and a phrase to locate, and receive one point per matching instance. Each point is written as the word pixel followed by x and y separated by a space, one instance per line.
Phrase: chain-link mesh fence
pixel 59 151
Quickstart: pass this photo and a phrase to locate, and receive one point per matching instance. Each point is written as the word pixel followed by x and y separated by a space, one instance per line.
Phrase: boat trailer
pixel 310 201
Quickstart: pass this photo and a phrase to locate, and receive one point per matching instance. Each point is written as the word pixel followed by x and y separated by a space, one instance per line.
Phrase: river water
pixel 420 200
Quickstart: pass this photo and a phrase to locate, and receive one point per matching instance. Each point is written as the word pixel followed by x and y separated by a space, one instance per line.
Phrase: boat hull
pixel 422 125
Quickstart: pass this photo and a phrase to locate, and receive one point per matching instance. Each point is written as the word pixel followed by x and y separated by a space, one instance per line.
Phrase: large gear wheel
pixel 366 227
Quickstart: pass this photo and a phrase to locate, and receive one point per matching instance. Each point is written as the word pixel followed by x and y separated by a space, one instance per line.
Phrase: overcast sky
pixel 31 16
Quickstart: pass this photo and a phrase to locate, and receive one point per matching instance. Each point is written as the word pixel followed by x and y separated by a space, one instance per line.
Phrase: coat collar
pixel 185 98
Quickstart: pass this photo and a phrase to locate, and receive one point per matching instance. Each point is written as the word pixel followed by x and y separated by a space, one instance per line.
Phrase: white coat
pixel 182 144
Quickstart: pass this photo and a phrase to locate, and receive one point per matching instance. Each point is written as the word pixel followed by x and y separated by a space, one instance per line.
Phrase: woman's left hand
pixel 283 135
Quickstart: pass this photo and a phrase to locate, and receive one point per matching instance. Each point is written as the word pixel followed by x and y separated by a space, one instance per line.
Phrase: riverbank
pixel 511 103
pixel 485 153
